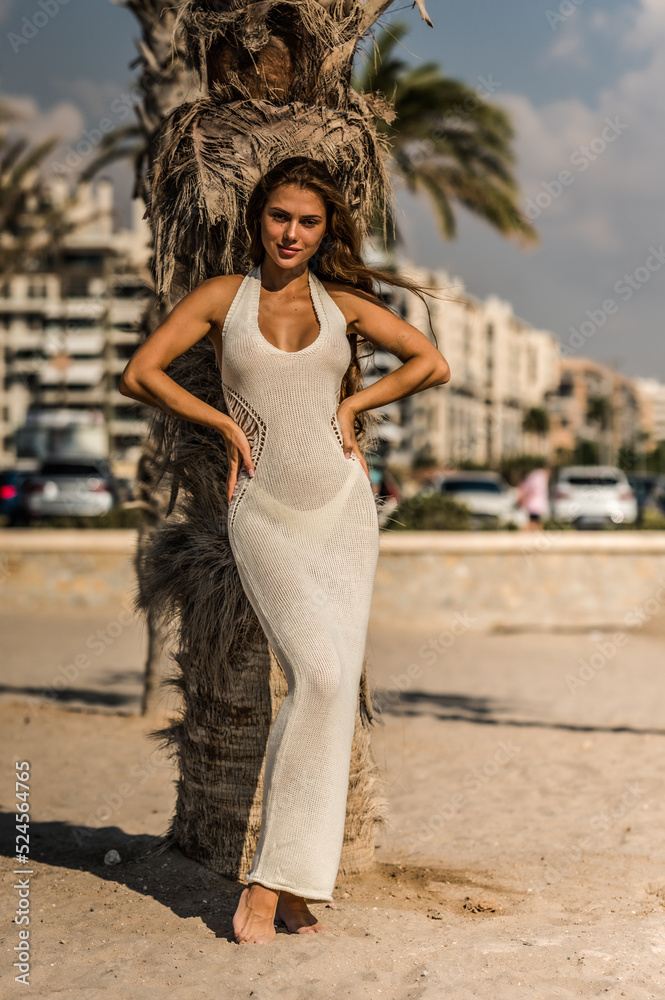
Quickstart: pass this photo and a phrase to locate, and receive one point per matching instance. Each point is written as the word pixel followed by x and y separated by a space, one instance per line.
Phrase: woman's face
pixel 293 218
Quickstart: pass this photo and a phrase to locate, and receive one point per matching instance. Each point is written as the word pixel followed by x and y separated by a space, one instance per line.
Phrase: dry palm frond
pixel 211 156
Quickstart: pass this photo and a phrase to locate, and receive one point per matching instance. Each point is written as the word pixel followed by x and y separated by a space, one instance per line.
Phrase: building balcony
pixel 122 428
pixel 87 396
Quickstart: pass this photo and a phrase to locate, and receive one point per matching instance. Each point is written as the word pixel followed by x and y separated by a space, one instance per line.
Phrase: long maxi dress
pixel 305 536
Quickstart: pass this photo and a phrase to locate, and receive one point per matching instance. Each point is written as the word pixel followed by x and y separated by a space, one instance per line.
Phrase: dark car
pixel 75 487
pixel 12 496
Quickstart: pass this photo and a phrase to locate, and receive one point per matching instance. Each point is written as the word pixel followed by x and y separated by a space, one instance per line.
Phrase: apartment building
pixel 501 367
pixel 68 328
pixel 597 405
pixel 651 394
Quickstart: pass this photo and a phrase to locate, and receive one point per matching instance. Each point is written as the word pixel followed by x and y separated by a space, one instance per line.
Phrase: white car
pixel 489 498
pixel 593 495
pixel 70 487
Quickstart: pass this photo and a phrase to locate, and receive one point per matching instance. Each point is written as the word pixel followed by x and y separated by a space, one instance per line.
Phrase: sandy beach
pixel 522 854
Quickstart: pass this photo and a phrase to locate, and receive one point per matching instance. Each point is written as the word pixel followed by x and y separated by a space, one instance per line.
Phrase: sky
pixel 583 82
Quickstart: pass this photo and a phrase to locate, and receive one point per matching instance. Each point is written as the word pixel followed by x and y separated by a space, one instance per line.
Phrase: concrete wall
pixel 514 580
pixel 487 580
pixel 51 570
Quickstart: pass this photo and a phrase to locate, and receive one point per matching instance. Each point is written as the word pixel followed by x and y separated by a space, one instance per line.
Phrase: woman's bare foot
pixel 254 919
pixel 295 914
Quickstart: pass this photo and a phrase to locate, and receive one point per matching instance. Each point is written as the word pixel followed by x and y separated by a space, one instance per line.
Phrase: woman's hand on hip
pixel 239 452
pixel 345 418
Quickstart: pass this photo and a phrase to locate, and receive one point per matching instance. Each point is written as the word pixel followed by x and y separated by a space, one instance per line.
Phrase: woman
pixel 302 519
pixel 534 496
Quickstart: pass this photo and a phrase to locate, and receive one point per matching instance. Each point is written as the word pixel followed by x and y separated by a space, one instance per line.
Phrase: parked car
pixel 71 487
pixel 12 496
pixel 489 498
pixel 593 496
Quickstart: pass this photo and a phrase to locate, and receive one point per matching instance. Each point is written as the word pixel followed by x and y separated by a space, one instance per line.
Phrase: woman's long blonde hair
pixel 338 256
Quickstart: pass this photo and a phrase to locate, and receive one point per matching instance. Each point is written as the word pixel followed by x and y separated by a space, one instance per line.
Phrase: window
pixel 28 354
pixel 77 288
pixel 125 351
pixel 71 469
pixel 590 480
pixel 128 291
pixel 471 486
pixel 87 261
pixel 81 323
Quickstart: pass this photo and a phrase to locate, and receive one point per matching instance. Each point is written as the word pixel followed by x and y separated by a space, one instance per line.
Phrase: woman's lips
pixel 289 252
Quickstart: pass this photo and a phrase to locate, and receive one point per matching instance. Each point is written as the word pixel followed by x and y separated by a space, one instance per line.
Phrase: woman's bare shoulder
pixel 222 289
pixel 225 285
pixel 350 299
pixel 227 279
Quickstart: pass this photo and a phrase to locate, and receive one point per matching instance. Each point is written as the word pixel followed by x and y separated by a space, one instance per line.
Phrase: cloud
pixel 93 98
pixel 615 197
pixel 642 28
pixel 594 229
pixel 63 120
pixel 569 44
pixel 73 122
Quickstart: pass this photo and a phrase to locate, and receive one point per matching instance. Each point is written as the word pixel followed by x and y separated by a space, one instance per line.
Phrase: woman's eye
pixel 280 217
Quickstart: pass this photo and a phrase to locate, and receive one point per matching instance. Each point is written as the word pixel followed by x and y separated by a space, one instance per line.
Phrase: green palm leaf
pixel 447 141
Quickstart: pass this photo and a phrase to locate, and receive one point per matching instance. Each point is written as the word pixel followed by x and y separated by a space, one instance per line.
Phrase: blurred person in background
pixel 534 496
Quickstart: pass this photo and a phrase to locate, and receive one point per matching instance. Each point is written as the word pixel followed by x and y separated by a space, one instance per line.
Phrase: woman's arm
pixel 422 366
pixel 145 378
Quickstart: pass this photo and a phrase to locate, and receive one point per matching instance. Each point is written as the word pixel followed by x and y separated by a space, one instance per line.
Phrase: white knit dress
pixel 304 533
